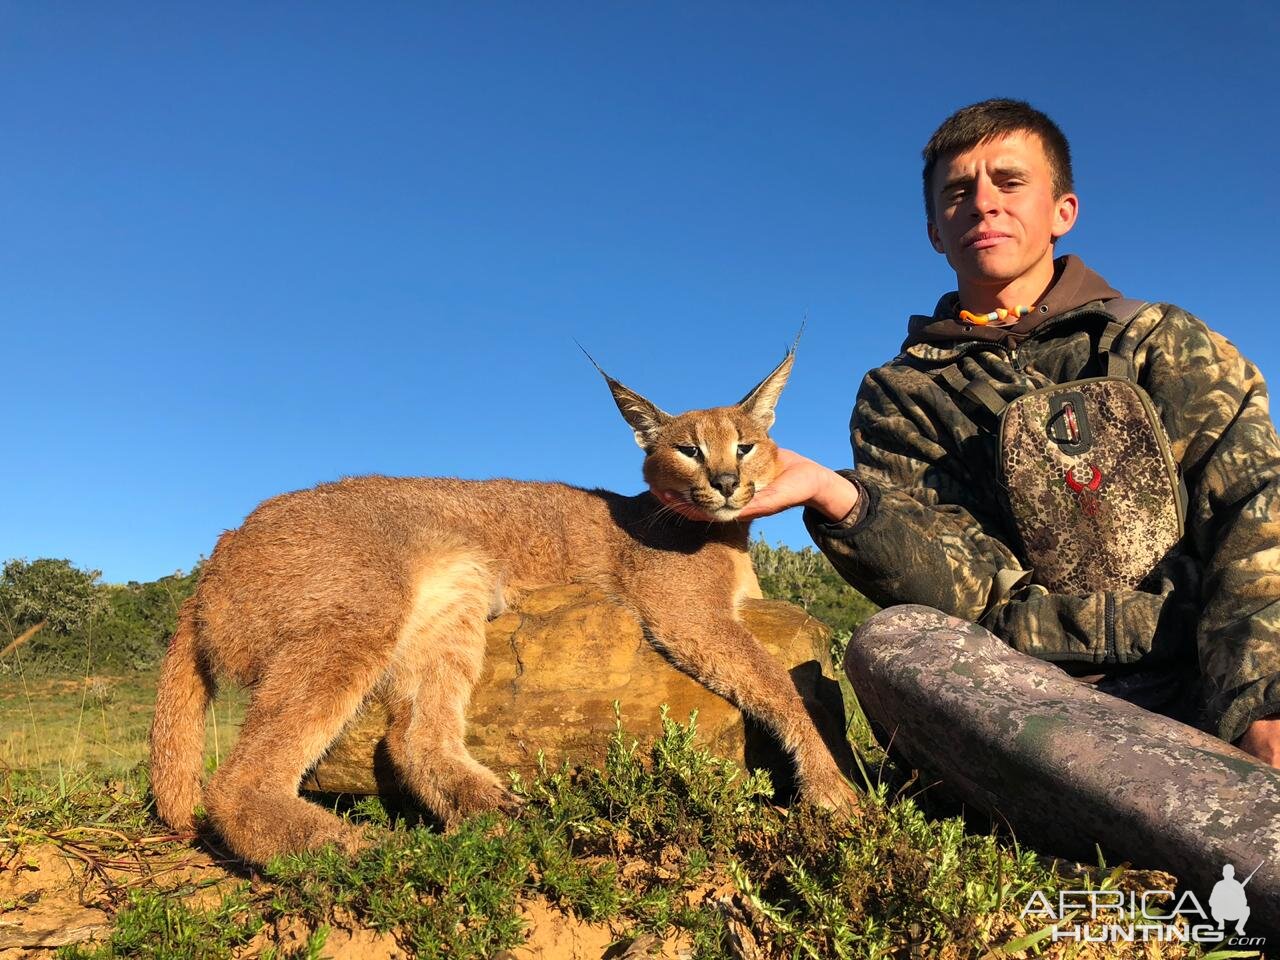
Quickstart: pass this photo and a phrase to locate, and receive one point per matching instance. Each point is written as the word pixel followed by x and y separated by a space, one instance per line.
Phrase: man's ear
pixel 763 397
pixel 1065 212
pixel 935 238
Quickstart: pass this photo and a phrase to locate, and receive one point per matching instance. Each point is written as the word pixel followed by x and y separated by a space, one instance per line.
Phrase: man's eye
pixel 691 452
pixel 745 448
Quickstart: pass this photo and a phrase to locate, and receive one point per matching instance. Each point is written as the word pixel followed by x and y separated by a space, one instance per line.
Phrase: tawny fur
pixel 383 585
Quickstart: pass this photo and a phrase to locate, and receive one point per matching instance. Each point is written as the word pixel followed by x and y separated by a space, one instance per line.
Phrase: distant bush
pixel 117 627
pixel 92 627
pixel 807 579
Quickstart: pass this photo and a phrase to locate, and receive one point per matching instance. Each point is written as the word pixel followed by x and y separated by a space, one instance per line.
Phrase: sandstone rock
pixel 553 669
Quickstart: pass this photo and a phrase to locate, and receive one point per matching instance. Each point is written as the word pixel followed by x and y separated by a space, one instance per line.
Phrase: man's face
pixel 995 213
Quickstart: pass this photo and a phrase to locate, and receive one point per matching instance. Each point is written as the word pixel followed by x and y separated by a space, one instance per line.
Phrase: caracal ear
pixel 645 418
pixel 759 403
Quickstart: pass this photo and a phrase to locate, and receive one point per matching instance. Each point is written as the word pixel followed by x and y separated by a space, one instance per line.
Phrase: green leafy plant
pixel 806 578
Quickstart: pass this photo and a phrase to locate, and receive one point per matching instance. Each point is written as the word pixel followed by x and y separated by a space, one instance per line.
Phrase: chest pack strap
pixel 979 392
pixel 1120 312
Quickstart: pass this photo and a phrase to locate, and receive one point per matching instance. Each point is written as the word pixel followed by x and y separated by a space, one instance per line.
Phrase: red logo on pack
pixel 1085 489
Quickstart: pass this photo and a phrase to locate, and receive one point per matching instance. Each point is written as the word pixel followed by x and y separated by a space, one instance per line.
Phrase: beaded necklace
pixel 995 316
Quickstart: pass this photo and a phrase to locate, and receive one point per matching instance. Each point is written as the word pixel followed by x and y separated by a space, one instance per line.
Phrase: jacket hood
pixel 1074 286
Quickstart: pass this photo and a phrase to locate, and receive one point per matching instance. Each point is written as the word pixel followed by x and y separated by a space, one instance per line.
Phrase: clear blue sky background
pixel 251 246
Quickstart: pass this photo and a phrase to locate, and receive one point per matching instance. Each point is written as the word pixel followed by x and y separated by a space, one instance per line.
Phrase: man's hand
pixel 1262 739
pixel 801 483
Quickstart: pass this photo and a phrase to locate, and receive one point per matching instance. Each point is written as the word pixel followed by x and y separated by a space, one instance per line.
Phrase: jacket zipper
pixel 1063 318
pixel 1110 631
pixel 1049 325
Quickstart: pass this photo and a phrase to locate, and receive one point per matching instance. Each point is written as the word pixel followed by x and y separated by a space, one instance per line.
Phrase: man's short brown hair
pixel 980 122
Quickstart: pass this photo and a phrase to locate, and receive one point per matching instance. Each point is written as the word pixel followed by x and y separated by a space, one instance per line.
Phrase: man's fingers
pixel 788 489
pixel 761 505
pixel 680 505
pixel 772 499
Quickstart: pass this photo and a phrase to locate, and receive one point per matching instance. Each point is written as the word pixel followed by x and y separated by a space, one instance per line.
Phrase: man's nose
pixel 986 198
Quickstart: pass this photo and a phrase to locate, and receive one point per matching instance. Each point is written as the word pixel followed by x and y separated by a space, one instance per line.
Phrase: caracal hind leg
pixel 438 660
pixel 721 653
pixel 297 710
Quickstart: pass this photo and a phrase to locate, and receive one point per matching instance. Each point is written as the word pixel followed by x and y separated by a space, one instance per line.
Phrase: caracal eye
pixel 691 452
pixel 745 448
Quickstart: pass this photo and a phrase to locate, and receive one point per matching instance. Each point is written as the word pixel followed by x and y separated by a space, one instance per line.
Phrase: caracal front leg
pixel 720 653
pixel 426 741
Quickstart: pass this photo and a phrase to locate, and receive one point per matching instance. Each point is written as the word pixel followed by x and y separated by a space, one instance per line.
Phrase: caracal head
pixel 714 459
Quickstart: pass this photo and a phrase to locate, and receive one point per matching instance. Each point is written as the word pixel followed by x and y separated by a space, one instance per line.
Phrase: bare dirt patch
pixel 57 893
pixel 40 903
pixel 53 895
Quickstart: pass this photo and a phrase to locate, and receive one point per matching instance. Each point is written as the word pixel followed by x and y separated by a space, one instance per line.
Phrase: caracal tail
pixel 177 729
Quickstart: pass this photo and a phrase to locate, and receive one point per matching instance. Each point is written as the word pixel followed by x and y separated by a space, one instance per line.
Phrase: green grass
pixel 99 723
pixel 156 925
pixel 665 840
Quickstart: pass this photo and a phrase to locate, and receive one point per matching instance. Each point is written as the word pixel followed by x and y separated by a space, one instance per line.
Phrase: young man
pixel 922 519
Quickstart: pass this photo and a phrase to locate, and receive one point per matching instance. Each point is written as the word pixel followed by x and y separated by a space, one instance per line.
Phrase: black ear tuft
pixel 644 417
pixel 763 397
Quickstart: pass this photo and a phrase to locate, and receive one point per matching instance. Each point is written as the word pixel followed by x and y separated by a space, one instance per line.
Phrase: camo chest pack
pixel 1091 484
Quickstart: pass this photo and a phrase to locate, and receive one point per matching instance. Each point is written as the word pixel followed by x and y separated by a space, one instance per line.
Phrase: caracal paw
pixel 347 837
pixel 834 794
pixel 481 794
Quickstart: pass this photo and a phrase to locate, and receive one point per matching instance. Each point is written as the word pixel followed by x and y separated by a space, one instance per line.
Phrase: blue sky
pixel 249 247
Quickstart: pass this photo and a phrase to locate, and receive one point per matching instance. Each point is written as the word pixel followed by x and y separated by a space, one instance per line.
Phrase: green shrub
pixel 807 579
pixel 91 627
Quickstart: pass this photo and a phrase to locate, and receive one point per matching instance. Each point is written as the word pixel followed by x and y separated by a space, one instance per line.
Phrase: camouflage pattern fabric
pixel 937 531
pixel 1063 764
pixel 1121 516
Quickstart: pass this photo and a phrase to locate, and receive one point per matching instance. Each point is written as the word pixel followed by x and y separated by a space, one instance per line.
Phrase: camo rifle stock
pixel 1065 765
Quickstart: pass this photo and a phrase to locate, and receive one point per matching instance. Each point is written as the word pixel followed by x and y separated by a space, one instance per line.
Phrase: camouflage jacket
pixel 933 527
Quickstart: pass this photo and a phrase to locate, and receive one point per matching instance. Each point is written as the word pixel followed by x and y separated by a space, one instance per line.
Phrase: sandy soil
pixel 52 895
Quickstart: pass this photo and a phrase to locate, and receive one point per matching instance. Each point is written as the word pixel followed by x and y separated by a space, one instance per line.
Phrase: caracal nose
pixel 726 483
